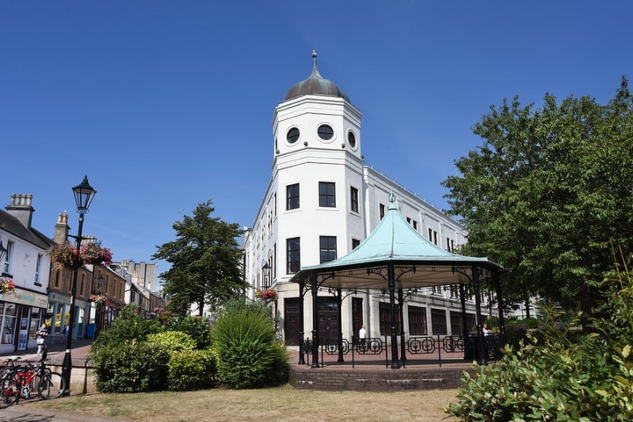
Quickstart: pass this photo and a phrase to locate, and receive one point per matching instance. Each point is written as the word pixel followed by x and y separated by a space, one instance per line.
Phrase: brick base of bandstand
pixel 372 374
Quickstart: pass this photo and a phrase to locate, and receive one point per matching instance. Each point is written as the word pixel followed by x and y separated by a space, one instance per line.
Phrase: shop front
pixel 21 313
pixel 59 308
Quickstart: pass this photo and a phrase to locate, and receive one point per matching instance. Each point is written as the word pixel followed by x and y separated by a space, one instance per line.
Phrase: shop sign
pixel 24 297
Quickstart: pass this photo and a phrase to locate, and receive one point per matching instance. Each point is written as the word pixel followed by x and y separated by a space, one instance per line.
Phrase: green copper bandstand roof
pixel 416 261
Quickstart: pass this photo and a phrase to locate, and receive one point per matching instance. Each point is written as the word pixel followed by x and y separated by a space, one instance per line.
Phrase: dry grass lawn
pixel 276 404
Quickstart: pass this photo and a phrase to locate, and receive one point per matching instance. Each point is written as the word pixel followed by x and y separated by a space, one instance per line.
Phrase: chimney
pixel 61 228
pixel 20 207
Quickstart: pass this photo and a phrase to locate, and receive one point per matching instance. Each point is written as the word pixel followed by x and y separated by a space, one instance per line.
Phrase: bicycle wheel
pixel 51 386
pixel 9 392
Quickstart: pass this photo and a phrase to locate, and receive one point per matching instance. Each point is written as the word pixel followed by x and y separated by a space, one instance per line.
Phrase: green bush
pixel 557 374
pixel 248 352
pixel 173 341
pixel 492 323
pixel 192 370
pixel 123 361
pixel 198 328
pixel 129 325
pixel 130 366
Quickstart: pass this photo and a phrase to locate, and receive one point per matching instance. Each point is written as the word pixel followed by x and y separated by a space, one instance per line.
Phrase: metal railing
pixel 443 346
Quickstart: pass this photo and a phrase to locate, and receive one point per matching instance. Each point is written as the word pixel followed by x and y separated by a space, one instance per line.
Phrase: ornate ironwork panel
pixel 331 347
pixel 371 346
pixel 421 345
pixel 453 344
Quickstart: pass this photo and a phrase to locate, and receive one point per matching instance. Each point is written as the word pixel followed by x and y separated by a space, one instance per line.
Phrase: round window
pixel 293 135
pixel 351 138
pixel 326 132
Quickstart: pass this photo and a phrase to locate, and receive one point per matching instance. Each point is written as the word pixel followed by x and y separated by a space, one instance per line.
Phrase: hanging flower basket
pixel 98 299
pixel 6 285
pixel 266 294
pixel 93 253
pixel 64 255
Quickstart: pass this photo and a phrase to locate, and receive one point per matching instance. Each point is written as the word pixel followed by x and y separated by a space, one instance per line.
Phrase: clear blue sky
pixel 167 104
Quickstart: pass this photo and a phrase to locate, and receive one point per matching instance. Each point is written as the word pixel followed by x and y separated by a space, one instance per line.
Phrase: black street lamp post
pixel 84 193
pixel 266 272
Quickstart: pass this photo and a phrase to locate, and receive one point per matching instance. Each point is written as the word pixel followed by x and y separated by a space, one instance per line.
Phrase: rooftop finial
pixel 315 69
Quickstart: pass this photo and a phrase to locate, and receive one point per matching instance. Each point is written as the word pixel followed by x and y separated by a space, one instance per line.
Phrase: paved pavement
pixel 80 349
pixel 22 412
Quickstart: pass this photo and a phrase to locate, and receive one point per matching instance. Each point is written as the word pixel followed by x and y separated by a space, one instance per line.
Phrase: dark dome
pixel 316 85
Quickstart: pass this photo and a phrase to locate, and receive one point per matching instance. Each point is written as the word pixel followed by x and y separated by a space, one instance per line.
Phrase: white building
pixel 321 202
pixel 28 264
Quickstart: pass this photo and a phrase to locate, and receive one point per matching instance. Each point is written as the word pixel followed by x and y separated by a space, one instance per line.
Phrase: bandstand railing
pixel 434 348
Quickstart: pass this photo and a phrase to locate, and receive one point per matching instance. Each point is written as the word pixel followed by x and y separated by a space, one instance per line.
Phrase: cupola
pixel 316 85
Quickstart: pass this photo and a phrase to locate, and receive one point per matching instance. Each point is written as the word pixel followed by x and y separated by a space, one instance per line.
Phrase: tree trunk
pixel 586 306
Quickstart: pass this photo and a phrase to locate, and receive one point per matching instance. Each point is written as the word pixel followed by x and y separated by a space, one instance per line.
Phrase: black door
pixel 292 328
pixel 328 319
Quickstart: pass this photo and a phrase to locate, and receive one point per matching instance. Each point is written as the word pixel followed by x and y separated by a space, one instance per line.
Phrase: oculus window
pixel 325 132
pixel 293 135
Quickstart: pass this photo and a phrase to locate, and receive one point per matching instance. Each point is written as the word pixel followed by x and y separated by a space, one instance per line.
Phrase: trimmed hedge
pixel 192 370
pixel 131 367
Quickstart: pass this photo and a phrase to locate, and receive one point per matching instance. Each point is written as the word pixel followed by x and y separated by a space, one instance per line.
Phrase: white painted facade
pixel 27 263
pixel 308 161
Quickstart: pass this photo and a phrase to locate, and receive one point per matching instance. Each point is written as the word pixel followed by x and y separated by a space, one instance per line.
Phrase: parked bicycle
pixel 22 380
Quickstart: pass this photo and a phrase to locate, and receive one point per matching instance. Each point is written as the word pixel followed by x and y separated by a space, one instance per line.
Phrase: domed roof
pixel 316 85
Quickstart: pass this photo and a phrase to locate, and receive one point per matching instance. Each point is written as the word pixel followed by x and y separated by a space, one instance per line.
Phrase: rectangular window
pixel 430 235
pixel 292 196
pixel 417 321
pixel 58 278
pixel 327 245
pixel 38 264
pixel 415 225
pixel 355 243
pixel 293 261
pixel 385 318
pixel 382 211
pixel 82 285
pixel 274 261
pixel 409 220
pixel 438 319
pixel 434 237
pixel 457 323
pixel 7 259
pixel 275 204
pixel 327 194
pixel 354 199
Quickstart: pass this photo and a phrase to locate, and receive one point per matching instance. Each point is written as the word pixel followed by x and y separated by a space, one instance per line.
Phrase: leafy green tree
pixel 559 374
pixel 198 328
pixel 206 262
pixel 548 192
